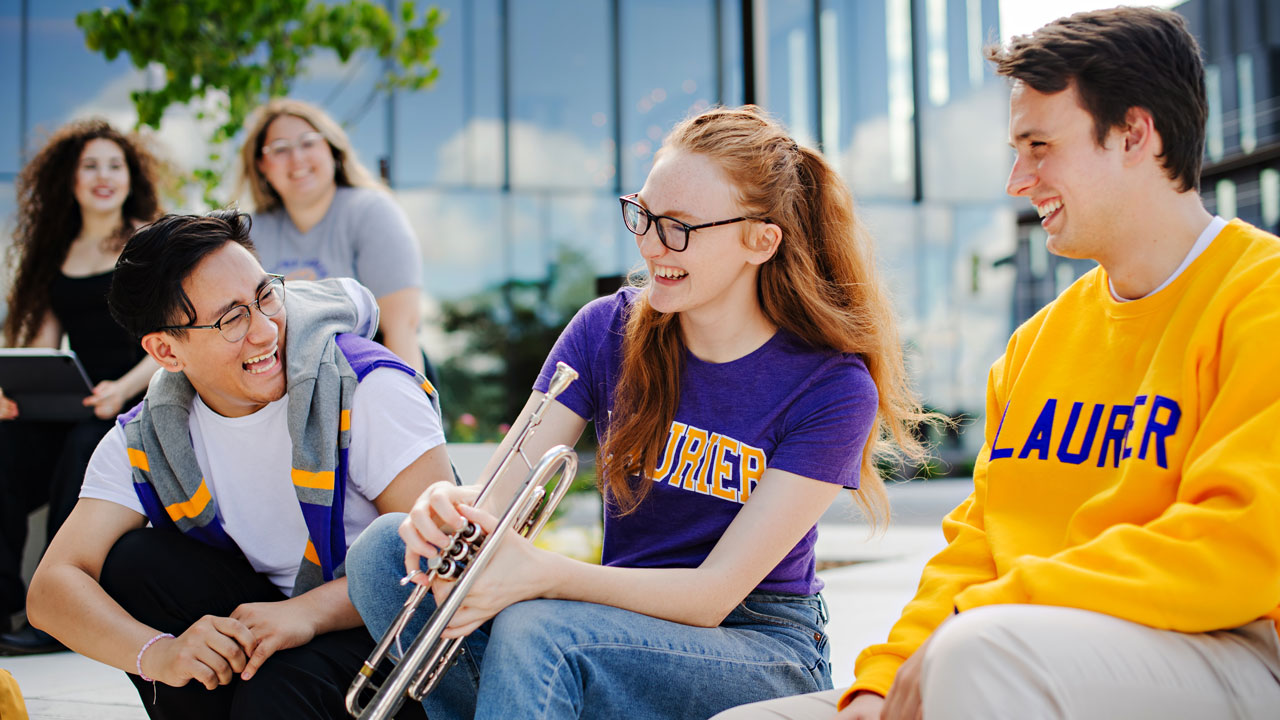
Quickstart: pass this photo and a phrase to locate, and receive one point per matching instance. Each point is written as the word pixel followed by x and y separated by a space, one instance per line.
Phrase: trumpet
pixel 421 668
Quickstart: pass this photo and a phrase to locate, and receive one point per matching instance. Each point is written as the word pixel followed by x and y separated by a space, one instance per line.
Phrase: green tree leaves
pixel 242 52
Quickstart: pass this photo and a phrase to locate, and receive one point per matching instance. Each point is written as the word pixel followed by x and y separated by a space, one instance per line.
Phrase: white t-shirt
pixel 1206 236
pixel 246 462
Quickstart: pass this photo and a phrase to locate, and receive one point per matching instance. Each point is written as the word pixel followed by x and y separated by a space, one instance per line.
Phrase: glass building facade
pixel 1241 44
pixel 546 110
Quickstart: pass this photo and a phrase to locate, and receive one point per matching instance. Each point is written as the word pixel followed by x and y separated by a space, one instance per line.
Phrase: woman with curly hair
pixel 79 199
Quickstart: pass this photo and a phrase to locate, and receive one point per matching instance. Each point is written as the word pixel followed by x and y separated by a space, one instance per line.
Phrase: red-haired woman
pixel 79 199
pixel 753 375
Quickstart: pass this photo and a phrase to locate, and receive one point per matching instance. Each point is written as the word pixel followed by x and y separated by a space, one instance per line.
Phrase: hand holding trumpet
pixel 423 529
pixel 464 601
pixel 515 573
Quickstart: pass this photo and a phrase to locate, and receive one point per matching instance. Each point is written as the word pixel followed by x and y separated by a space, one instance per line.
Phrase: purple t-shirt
pixel 786 405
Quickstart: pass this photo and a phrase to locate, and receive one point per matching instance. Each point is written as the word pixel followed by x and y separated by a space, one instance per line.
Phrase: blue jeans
pixel 567 659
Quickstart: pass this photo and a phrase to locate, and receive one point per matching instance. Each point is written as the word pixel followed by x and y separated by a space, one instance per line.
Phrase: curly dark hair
pixel 49 218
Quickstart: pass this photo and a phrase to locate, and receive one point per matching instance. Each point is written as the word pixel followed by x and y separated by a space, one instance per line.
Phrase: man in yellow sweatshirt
pixel 1120 554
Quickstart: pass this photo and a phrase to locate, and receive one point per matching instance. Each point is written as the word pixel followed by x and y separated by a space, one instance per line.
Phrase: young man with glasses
pixel 273 435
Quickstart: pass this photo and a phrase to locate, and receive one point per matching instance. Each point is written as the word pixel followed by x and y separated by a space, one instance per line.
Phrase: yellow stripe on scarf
pixel 344 421
pixel 310 553
pixel 138 459
pixel 322 480
pixel 190 508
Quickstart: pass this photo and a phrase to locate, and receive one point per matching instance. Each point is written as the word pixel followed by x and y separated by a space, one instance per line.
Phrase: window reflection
pixel 10 66
pixel 462 237
pixel 936 33
pixel 668 72
pixel 788 88
pixel 452 133
pixel 867 124
pixel 562 118
pixel 66 80
pixel 438 117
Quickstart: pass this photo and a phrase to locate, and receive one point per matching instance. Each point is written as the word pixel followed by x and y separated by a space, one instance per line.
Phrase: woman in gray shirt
pixel 319 213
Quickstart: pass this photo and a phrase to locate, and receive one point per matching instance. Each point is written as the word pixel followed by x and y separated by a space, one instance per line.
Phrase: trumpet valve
pixel 459 550
pixel 446 569
pixel 471 532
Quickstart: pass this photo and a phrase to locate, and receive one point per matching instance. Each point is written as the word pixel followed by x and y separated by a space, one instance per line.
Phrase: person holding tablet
pixel 79 199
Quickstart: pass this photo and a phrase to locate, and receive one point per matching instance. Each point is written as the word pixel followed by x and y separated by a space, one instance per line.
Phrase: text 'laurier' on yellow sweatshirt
pixel 1132 460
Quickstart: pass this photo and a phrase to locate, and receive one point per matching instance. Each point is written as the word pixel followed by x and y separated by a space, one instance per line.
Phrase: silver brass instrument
pixel 421 668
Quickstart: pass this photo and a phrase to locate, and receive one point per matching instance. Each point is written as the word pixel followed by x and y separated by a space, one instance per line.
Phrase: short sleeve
pixel 392 424
pixel 109 475
pixel 580 346
pixel 386 250
pixel 827 427
pixel 366 307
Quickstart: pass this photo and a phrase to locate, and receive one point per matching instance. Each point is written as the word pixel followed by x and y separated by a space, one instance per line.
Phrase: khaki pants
pixel 1028 661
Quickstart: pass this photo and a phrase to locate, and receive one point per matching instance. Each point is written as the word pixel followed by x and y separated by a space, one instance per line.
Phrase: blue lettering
pixel 1086 443
pixel 1115 434
pixel 1041 433
pixel 1160 430
pixel 998 453
pixel 1137 403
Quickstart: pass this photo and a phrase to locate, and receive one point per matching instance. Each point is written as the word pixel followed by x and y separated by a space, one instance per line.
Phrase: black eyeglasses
pixel 672 233
pixel 234 323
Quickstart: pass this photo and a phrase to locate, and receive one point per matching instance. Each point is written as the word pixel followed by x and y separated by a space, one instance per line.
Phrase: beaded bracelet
pixel 148 644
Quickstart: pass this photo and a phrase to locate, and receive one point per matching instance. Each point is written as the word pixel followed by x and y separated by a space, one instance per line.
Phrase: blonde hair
pixel 347 171
pixel 821 285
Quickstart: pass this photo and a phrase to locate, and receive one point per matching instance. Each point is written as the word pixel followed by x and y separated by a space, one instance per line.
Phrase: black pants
pixel 39 462
pixel 169 581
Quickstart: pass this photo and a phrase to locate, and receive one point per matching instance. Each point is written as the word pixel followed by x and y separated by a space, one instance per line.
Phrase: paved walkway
pixel 865 598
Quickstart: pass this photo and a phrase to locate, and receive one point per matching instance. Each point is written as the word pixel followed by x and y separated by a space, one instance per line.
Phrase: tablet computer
pixel 46 384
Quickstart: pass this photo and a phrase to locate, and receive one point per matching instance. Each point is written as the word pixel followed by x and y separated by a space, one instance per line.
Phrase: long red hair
pixel 821 284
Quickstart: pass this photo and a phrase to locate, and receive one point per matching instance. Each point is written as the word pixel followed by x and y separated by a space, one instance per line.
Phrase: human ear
pixel 764 243
pixel 161 347
pixel 1139 135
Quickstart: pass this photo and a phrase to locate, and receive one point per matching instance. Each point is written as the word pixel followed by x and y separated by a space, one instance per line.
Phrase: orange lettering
pixel 673 439
pixel 690 457
pixel 724 469
pixel 751 469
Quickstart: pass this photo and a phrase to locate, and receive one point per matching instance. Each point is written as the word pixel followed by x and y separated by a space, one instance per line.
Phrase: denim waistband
pixel 814 600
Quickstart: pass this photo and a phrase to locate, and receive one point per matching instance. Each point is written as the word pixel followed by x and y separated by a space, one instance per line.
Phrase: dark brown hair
pixel 1118 59
pixel 49 216
pixel 146 290
pixel 821 284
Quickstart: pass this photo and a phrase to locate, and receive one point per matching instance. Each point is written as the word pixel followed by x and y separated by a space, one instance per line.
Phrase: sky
pixel 1019 17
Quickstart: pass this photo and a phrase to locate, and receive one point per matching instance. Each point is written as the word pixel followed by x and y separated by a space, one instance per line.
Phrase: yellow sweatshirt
pixel 1132 460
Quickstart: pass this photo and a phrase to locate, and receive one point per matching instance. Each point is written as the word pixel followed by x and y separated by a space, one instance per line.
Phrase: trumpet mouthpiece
pixel 564 376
